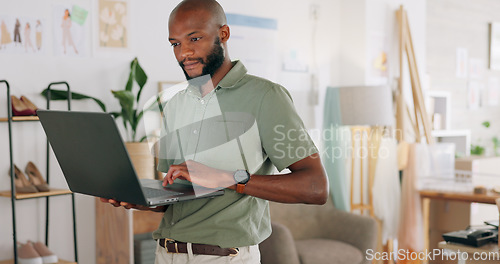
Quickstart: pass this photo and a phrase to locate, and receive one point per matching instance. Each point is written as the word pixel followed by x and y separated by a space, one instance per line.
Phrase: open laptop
pixel 94 161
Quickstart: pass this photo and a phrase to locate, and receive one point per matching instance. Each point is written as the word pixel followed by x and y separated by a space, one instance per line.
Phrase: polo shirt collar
pixel 237 72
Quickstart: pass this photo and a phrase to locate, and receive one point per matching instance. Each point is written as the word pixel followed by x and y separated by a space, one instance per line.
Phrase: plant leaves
pixel 476 150
pixel 131 76
pixel 139 117
pixel 140 77
pixel 486 124
pixel 126 99
pixel 134 121
pixel 56 95
pixel 130 83
pixel 116 114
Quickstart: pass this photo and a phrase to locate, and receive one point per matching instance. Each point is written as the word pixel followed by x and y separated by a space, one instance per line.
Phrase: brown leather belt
pixel 173 246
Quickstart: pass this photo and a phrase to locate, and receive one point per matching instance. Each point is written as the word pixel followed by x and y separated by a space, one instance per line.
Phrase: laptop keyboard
pixel 152 192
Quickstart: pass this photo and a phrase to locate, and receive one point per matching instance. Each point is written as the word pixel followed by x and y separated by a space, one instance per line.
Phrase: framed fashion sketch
pixel 70 31
pixel 22 35
pixel 111 34
pixel 113 24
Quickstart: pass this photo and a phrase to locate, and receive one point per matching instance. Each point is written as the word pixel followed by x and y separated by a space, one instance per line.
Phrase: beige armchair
pixel 312 234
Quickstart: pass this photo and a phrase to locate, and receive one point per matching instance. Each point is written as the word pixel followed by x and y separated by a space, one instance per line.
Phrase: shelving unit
pixel 438 104
pixel 20 118
pixel 461 139
pixel 23 196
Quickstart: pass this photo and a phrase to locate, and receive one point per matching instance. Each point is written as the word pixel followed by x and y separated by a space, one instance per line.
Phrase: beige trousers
pixel 246 255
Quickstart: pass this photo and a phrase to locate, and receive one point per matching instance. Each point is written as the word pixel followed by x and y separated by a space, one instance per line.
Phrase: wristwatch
pixel 241 177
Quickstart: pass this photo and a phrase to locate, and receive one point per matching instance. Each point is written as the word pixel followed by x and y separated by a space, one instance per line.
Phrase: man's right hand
pixel 134 206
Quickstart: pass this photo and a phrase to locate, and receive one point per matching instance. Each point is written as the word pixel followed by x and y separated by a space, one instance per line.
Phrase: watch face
pixel 241 176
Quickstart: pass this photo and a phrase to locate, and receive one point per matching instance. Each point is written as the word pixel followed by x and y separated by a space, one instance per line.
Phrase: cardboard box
pixel 484 172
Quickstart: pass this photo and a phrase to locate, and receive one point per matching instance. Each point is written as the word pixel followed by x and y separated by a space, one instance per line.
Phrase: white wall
pixel 463 24
pixel 360 21
pixel 96 75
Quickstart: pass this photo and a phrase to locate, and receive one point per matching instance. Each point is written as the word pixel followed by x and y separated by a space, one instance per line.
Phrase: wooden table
pixel 488 198
pixel 467 197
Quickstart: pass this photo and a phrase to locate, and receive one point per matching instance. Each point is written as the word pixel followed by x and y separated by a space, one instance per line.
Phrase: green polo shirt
pixel 246 122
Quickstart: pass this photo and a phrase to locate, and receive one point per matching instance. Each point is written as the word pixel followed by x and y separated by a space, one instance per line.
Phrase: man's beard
pixel 212 63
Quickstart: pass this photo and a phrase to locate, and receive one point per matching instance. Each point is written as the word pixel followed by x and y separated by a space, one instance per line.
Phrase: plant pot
pixel 142 159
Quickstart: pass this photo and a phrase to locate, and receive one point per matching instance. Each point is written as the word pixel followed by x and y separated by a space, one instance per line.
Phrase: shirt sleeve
pixel 282 132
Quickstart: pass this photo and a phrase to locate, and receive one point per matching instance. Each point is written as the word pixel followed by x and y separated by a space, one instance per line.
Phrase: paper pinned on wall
pixel 70 39
pixel 113 26
pixel 295 61
pixel 248 33
pixel 79 15
pixel 493 91
pixel 22 35
pixel 377 68
pixel 474 94
pixel 476 68
pixel 461 67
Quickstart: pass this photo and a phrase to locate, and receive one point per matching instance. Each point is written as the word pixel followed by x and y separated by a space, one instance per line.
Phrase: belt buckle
pixel 169 240
pixel 235 254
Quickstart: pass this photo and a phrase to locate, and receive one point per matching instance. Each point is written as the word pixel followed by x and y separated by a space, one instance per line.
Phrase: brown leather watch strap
pixel 240 187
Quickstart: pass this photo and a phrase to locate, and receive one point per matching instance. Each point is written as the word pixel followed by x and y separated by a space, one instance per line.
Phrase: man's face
pixel 210 64
pixel 196 44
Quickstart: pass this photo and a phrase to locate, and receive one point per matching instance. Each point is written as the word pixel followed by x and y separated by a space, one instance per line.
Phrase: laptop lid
pixel 93 157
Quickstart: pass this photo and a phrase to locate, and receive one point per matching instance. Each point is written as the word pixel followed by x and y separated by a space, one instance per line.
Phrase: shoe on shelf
pixel 21 182
pixel 47 256
pixel 28 103
pixel 26 254
pixel 35 177
pixel 19 108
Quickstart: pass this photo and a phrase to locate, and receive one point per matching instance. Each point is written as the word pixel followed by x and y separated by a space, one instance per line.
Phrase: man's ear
pixel 224 33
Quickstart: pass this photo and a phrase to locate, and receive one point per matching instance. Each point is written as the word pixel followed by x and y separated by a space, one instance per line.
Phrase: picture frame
pixel 164 85
pixel 111 28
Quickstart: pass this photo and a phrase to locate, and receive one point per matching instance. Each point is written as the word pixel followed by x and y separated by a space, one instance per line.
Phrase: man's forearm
pixel 307 183
pixel 294 187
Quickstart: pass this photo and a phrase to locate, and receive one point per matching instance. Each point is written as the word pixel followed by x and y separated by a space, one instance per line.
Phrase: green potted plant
pixel 130 114
pixel 480 150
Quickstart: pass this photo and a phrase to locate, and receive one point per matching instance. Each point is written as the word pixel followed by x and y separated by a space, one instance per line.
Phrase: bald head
pixel 198 34
pixel 209 10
